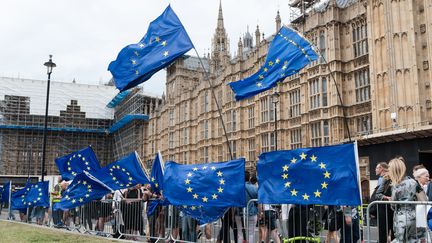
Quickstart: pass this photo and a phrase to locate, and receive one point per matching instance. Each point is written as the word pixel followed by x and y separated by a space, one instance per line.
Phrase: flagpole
pixel 339 96
pixel 206 76
pixel 227 216
pixel 10 200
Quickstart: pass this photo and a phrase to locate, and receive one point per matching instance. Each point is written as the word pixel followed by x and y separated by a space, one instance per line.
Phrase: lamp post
pixel 50 65
pixel 275 100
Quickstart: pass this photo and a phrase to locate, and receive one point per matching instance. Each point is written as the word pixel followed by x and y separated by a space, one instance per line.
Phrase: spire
pixel 220 23
pixel 257 36
pixel 278 21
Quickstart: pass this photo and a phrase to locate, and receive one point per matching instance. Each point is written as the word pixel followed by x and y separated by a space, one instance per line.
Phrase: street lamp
pixel 275 100
pixel 50 65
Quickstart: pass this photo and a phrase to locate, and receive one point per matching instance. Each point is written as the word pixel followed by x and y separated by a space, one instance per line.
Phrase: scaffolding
pixel 79 115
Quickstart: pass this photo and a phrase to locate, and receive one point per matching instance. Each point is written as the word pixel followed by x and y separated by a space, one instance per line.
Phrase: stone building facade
pixel 376 54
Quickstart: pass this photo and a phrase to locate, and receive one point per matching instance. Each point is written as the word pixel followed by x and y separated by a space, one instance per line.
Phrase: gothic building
pixel 374 53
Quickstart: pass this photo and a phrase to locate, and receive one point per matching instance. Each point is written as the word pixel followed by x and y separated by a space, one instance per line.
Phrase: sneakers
pixel 200 233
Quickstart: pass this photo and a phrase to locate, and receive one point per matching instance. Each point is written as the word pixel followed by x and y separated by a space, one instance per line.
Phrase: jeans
pixel 57 216
pixel 189 228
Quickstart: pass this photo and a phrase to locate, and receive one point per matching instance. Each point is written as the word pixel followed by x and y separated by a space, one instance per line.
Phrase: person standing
pixel 57 214
pixel 252 209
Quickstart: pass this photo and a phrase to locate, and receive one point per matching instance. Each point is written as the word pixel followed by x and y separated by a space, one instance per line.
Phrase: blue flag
pixel 72 164
pixel 165 41
pixel 156 174
pixel 208 185
pixel 84 188
pixel 5 192
pixel 323 175
pixel 123 173
pixel 288 53
pixel 204 215
pixel 33 194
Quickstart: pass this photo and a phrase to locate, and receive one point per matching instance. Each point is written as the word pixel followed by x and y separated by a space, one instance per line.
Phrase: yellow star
pixel 136 53
pixel 324 185
pixel 285 176
pixel 89 186
pixel 164 43
pixel 284 67
pixel 204 167
pixel 303 156
pixel 293 192
pixel 195 169
pixel 193 207
pixel 141 45
pixel 133 62
pixel 317 193
pixel 69 168
pixel 285 168
pixel 88 168
pixel 157 39
pixel 214 196
pixel 265 69
pixel 89 190
pixel 285 63
pixel 153 179
pixel 305 196
pixel 205 199
pixel 287 184
pixel 270 63
pixel 219 173
pixel 130 178
pixel 84 182
pixel 259 84
pixel 73 201
pixel 81 200
pixel 213 168
pixel 326 174
pixel 195 196
pixel 189 174
pixel 187 181
pixel 136 72
pixel 293 160
pixel 220 189
pixel 87 195
pixel 277 61
pixel 260 77
pixel 313 158
pixel 165 53
pixel 322 165
pixel 189 189
pixel 114 178
pixel 156 185
pixel 222 181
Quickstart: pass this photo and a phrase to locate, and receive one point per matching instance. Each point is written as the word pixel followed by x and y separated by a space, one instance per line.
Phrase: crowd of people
pixel 126 212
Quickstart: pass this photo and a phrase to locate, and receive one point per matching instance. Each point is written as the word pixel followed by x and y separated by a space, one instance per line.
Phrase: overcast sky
pixel 84 36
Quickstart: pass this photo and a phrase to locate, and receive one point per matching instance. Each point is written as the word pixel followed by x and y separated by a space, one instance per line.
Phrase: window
pixel 362 85
pixel 183 112
pixel 267 109
pixel 314 94
pixel 364 124
pixel 326 139
pixel 316 134
pixel 185 136
pixel 322 46
pixel 206 102
pixel 171 140
pixel 185 157
pixel 296 139
pixel 171 117
pixel 205 129
pixel 251 151
pixel 233 150
pixel 268 142
pixel 251 117
pixel 206 154
pixel 360 45
pixel 324 91
pixel 220 153
pixel 294 97
pixel 231 121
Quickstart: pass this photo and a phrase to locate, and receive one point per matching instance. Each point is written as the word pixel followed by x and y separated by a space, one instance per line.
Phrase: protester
pixel 404 189
pixel 252 209
pixel 380 170
pixel 57 214
pixel 268 214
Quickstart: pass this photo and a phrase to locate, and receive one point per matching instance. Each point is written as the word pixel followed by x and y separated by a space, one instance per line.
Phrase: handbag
pixel 421 196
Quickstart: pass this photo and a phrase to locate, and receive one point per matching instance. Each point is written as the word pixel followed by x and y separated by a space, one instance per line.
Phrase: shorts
pixel 270 219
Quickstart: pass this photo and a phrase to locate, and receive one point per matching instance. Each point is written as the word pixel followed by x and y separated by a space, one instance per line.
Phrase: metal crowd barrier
pixel 410 224
pixel 128 219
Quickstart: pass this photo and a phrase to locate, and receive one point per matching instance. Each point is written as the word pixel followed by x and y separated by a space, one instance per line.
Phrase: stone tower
pixel 220 44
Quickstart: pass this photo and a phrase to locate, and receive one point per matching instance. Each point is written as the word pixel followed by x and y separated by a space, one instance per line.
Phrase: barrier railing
pixel 255 223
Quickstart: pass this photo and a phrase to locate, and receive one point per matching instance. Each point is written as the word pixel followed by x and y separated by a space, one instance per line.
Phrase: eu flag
pixel 204 215
pixel 33 194
pixel 123 173
pixel 156 180
pixel 208 185
pixel 165 41
pixel 288 53
pixel 72 164
pixel 84 188
pixel 5 192
pixel 322 175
